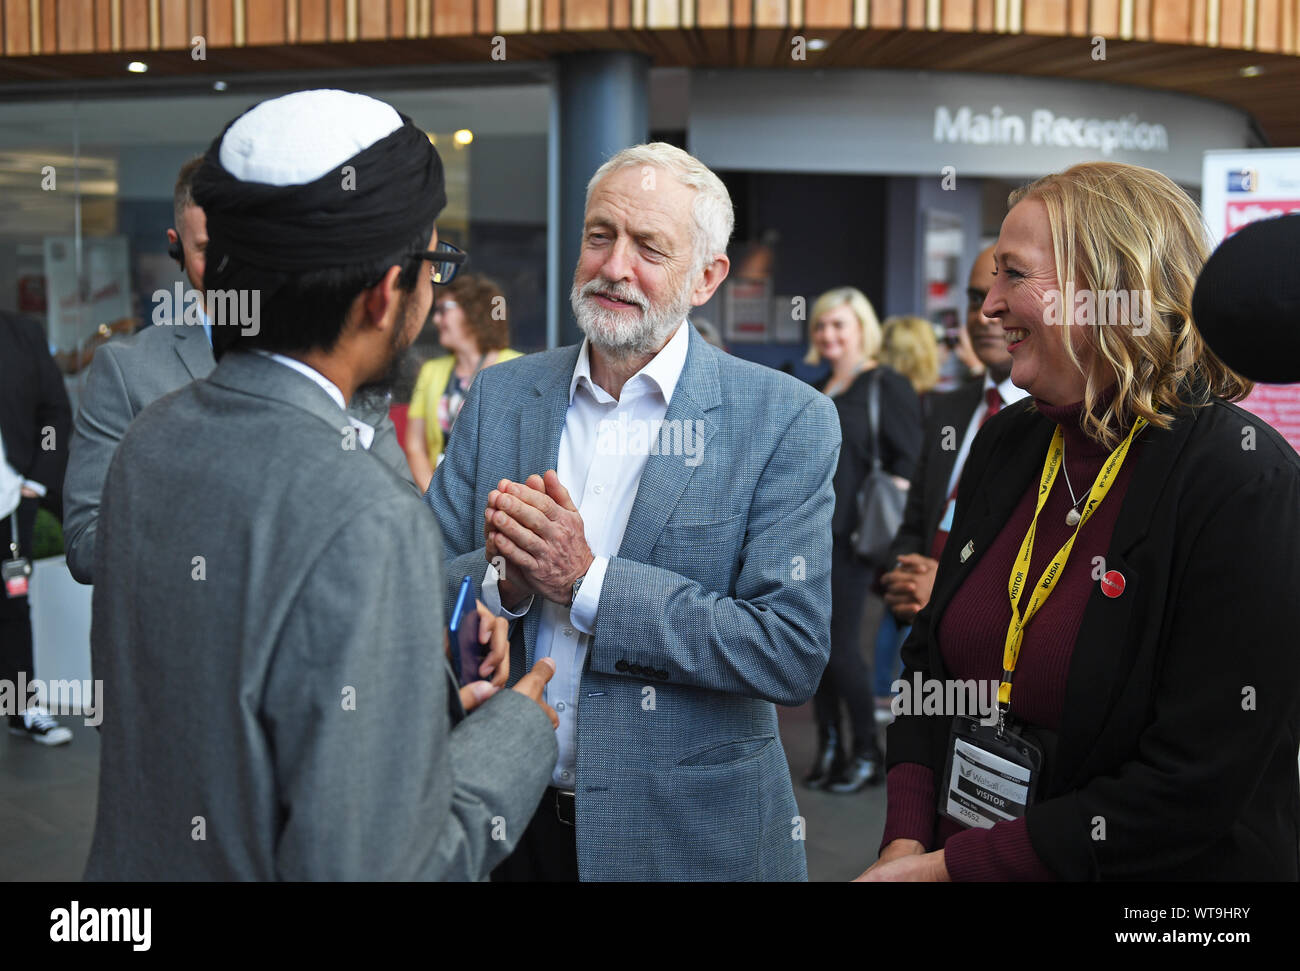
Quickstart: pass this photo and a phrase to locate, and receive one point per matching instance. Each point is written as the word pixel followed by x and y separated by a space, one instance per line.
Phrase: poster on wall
pixel 1243 185
pixel 76 307
pixel 1239 187
pixel 746 309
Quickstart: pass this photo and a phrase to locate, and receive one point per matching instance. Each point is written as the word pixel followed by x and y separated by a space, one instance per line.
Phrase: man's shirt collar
pixel 660 374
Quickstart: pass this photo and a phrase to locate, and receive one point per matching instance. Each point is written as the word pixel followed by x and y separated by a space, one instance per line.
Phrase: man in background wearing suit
pixel 955 417
pixel 655 515
pixel 127 375
pixel 258 565
pixel 34 423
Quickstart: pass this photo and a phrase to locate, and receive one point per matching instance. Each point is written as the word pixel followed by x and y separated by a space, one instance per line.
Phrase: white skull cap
pixel 297 138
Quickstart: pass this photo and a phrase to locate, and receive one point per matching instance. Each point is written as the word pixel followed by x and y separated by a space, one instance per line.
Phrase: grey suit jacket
pixel 716 608
pixel 125 377
pixel 277 701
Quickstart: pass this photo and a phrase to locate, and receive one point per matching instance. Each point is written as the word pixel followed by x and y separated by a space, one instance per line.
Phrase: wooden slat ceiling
pixel 1272 97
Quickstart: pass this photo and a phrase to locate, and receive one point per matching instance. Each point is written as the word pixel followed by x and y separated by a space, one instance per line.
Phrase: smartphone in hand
pixel 466 652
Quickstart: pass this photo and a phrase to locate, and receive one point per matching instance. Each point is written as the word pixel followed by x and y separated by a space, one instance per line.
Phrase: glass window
pixel 87 200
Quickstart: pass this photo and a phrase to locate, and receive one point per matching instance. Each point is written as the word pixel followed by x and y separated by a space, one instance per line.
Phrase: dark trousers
pixel 15 618
pixel 548 851
pixel 848 677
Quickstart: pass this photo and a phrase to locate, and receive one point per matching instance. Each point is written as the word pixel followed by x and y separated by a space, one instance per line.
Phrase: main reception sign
pixel 923 122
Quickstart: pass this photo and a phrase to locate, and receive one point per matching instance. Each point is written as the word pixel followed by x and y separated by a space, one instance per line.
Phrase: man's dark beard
pixel 376 394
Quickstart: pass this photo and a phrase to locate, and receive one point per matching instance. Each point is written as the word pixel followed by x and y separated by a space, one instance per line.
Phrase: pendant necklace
pixel 1073 516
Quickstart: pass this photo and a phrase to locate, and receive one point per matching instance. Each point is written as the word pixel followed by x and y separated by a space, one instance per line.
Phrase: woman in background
pixel 846 335
pixel 910 349
pixel 470 314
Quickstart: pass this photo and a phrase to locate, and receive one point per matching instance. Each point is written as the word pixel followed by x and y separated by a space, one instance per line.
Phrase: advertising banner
pixel 1239 187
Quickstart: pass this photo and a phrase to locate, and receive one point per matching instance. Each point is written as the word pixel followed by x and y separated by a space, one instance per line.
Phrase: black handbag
pixel 880 501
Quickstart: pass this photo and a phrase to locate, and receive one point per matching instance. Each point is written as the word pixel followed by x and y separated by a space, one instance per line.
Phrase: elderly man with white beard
pixel 678 573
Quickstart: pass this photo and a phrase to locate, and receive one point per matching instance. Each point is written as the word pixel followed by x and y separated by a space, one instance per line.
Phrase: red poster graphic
pixel 1279 406
pixel 1243 212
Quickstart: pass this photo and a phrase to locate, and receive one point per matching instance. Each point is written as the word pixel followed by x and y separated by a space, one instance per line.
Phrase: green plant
pixel 47 536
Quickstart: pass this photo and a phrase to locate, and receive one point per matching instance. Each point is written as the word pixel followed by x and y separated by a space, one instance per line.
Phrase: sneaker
pixel 38 725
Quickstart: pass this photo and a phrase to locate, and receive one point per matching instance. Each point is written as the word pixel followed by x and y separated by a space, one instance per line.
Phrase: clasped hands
pixel 535 527
pixel 909 585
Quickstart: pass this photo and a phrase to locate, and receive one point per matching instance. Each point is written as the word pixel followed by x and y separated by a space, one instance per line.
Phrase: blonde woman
pixel 1121 572
pixel 910 349
pixel 470 314
pixel 846 335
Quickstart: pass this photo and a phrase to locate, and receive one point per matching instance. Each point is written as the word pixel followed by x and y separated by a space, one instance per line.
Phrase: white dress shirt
pixel 603 451
pixel 365 433
pixel 1009 394
pixel 11 489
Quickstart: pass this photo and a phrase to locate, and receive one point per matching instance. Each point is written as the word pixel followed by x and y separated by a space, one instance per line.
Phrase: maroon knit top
pixel 971 635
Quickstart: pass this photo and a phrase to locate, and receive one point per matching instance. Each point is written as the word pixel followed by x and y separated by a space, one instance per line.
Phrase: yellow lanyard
pixel 1020 570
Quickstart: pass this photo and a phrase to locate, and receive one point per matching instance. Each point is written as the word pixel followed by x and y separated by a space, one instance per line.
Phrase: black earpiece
pixel 176 251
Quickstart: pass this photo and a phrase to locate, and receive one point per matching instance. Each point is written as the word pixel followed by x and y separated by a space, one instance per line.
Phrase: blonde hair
pixel 1123 229
pixel 910 349
pixel 862 309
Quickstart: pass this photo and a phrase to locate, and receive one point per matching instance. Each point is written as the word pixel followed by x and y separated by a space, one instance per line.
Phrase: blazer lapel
pixel 1102 646
pixel 540 427
pixel 991 507
pixel 956 413
pixel 195 352
pixel 665 477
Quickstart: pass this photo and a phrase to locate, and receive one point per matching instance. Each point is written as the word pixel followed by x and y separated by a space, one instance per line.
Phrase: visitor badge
pixel 17 576
pixel 989 778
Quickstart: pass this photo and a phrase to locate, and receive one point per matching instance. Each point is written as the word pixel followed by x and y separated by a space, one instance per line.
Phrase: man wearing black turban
pixel 258 566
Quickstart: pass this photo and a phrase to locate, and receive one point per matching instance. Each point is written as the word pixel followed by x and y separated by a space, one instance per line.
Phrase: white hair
pixel 713 215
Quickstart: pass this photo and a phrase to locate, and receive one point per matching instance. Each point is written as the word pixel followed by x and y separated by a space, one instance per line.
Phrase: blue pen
pixel 463 600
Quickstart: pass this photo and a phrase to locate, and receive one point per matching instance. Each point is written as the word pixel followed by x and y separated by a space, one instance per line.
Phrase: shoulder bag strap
pixel 873 417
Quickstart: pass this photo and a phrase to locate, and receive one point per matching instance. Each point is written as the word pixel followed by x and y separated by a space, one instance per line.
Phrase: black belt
pixel 563 803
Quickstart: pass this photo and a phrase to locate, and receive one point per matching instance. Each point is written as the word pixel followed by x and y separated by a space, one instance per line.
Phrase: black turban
pixel 1247 301
pixel 392 190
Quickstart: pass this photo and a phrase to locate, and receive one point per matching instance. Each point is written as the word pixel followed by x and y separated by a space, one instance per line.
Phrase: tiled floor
pixel 47 805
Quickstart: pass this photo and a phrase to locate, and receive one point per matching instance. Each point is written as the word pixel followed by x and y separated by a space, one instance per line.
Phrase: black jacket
pixel 946 422
pixel 32 400
pixel 900 438
pixel 1181 718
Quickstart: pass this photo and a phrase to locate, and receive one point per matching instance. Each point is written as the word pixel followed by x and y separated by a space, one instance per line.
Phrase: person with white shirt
pixel 653 515
pixel 34 420
pixel 954 419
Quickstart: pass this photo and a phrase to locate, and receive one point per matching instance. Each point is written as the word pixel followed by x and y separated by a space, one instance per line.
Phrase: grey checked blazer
pixel 719 599
pixel 125 376
pixel 227 690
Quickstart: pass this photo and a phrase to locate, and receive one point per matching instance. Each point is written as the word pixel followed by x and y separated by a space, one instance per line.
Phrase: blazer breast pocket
pixel 727 753
pixel 707 552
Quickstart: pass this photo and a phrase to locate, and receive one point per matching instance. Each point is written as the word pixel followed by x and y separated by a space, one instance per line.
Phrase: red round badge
pixel 1112 584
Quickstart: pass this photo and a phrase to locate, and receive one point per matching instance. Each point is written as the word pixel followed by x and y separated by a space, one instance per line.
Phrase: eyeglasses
pixel 446 260
pixel 442 306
